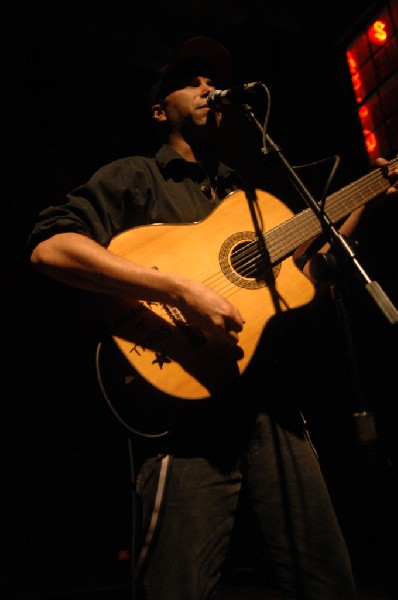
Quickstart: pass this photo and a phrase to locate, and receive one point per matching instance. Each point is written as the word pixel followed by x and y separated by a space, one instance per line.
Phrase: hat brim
pixel 198 52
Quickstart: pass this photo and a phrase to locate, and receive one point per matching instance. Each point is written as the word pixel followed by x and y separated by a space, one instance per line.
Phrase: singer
pixel 242 449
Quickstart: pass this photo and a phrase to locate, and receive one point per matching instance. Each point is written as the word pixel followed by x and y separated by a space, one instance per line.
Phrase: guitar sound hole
pixel 245 261
pixel 248 260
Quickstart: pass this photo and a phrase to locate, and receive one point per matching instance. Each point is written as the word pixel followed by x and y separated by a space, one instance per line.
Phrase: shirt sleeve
pixel 108 203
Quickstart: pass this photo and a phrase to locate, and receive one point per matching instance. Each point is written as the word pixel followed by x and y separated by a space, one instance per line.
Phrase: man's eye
pixel 192 82
pixel 196 81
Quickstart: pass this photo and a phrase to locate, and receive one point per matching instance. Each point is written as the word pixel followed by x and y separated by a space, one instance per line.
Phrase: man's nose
pixel 206 87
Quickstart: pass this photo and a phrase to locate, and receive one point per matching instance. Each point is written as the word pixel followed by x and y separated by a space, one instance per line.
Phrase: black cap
pixel 199 55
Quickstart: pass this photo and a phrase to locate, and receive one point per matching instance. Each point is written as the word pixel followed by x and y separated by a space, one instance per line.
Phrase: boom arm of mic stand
pixel 338 241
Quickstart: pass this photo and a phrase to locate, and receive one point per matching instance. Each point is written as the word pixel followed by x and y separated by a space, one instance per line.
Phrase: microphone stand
pixel 339 242
pixel 345 251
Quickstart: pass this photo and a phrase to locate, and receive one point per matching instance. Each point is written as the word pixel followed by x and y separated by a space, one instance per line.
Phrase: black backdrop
pixel 75 81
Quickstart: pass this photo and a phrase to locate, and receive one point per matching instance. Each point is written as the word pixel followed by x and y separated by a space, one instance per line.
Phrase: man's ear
pixel 158 113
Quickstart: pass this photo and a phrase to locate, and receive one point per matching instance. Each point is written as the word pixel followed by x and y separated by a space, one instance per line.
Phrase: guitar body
pixel 244 249
pixel 227 251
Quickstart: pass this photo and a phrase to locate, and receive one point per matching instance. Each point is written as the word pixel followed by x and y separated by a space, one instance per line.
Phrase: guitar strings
pixel 300 228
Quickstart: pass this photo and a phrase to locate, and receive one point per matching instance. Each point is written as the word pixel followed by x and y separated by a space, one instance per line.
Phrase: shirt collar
pixel 167 155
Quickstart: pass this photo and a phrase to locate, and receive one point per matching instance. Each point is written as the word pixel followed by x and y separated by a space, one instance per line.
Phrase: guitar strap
pixel 154 520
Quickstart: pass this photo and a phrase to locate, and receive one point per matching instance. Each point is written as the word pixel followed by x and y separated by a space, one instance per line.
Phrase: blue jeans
pixel 277 478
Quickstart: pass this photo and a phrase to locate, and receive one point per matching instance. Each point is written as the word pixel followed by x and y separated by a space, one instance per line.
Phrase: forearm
pixel 349 227
pixel 78 261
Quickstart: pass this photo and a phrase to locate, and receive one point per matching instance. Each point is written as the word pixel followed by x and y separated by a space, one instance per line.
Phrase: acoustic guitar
pixel 245 250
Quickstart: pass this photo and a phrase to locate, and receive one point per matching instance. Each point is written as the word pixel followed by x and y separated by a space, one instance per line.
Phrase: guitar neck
pixel 301 228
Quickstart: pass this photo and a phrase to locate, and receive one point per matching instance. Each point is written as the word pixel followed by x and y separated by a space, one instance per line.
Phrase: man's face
pixel 187 103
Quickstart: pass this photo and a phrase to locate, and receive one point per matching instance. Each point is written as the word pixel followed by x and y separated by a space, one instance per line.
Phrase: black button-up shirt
pixel 133 191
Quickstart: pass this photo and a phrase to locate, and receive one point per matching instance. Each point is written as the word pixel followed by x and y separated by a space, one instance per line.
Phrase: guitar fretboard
pixel 282 240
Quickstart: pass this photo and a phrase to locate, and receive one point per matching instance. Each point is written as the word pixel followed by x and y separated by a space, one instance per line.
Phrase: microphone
pixel 216 99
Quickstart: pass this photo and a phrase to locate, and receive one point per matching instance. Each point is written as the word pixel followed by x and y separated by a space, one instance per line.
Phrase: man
pixel 233 443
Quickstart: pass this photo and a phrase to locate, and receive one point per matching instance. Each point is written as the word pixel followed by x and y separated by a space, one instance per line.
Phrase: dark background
pixel 75 80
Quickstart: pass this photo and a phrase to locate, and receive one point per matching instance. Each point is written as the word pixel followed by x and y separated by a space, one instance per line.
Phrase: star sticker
pixel 161 359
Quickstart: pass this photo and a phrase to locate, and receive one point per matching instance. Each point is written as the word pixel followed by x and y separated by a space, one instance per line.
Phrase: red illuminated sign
pixel 372 59
pixel 355 75
pixel 377 32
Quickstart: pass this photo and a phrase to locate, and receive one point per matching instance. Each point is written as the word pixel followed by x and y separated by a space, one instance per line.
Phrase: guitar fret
pixel 282 240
